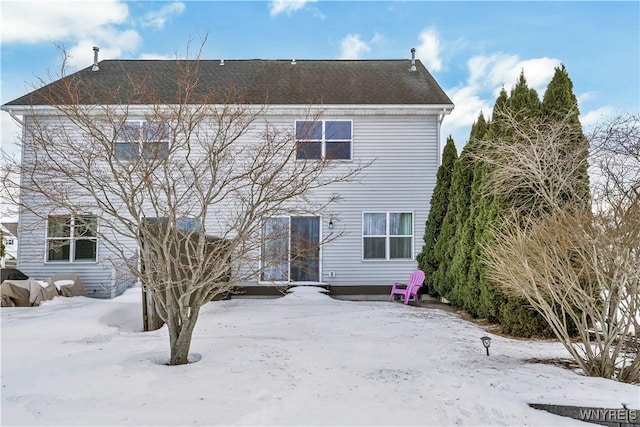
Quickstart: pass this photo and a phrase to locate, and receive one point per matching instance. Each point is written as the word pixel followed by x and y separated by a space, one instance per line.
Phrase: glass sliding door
pixel 291 249
pixel 305 249
pixel 275 250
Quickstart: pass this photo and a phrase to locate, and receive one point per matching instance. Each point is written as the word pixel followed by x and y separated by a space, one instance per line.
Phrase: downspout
pixel 440 147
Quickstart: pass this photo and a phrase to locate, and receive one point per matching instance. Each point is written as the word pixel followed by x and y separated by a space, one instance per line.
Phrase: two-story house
pixel 386 112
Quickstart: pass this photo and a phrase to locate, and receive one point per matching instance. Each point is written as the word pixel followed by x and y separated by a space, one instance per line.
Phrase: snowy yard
pixel 304 359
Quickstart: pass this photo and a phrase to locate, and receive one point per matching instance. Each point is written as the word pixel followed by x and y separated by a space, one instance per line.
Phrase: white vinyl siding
pixel 403 151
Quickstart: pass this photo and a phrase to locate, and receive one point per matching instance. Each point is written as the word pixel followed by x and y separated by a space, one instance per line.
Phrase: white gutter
pixel 13 116
pixel 441 115
pixel 408 108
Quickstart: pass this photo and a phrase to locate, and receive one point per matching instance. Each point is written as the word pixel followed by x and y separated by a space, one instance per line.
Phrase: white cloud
pixel 539 72
pixel 32 22
pixel 76 26
pixel 352 47
pixel 468 105
pixel 498 70
pixel 595 116
pixel 155 56
pixel 112 45
pixel 158 18
pixel 429 49
pixel 583 97
pixel 287 6
pixel 487 75
pixel 377 38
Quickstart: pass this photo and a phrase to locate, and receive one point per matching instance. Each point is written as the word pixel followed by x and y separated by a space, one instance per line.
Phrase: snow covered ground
pixel 304 359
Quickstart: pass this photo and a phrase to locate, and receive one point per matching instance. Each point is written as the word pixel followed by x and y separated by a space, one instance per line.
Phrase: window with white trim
pixel 72 238
pixel 387 235
pixel 135 138
pixel 324 139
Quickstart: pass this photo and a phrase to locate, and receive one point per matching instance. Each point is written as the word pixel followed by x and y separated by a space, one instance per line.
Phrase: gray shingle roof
pixel 253 81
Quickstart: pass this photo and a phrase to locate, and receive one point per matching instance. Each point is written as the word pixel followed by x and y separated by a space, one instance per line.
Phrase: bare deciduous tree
pixel 181 189
pixel 576 264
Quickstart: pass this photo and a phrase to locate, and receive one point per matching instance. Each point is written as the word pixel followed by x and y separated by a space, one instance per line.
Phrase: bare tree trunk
pixel 180 337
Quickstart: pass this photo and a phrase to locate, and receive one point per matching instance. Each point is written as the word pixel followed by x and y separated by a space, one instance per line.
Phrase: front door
pixel 291 249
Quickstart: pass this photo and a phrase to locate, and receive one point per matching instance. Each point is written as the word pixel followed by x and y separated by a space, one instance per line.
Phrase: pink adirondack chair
pixel 408 290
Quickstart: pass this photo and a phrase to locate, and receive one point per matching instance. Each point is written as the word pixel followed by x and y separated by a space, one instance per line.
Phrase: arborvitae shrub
pixel 427 260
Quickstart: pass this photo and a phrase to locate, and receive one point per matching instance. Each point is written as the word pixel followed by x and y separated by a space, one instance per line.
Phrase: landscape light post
pixel 486 342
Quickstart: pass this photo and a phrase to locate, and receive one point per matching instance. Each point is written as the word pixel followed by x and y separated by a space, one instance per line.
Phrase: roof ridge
pixel 255 59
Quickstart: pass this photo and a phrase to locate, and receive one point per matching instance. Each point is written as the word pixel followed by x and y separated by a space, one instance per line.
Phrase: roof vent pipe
pixel 95 59
pixel 293 62
pixel 222 62
pixel 413 59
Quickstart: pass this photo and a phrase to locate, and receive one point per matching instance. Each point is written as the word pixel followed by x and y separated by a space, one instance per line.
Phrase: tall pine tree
pixel 471 214
pixel 427 260
pixel 560 103
pixel 458 209
pixel 464 293
pixel 513 314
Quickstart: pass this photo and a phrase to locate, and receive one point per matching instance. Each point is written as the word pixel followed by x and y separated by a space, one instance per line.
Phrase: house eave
pixel 273 109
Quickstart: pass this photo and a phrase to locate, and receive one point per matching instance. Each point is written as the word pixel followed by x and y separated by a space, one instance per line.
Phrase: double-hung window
pixel 324 139
pixel 387 235
pixel 137 138
pixel 72 238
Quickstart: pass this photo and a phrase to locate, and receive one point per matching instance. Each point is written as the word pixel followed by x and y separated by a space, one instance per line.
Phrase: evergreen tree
pixel 475 228
pixel 558 102
pixel 472 215
pixel 480 296
pixel 523 100
pixel 458 209
pixel 514 314
pixel 559 99
pixel 427 260
pixel 480 127
pixel 463 291
pixel 498 126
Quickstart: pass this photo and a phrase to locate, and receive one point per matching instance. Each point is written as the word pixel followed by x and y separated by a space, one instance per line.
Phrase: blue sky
pixel 472 48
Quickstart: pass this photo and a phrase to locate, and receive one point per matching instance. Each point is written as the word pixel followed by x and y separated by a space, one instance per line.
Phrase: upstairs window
pixel 387 235
pixel 141 138
pixel 72 238
pixel 324 139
